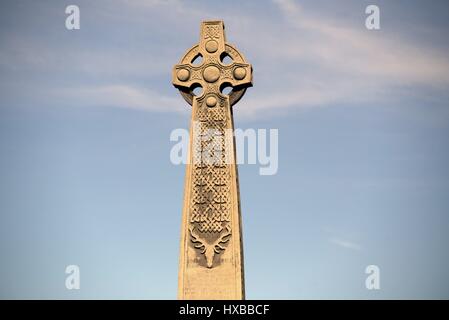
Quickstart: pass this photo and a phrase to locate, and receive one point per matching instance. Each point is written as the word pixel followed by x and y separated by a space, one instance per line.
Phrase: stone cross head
pixel 213 74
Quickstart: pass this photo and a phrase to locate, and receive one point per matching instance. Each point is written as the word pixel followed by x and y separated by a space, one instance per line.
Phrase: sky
pixel 363 122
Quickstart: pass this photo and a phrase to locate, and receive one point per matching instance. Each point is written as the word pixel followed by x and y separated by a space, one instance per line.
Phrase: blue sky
pixel 363 120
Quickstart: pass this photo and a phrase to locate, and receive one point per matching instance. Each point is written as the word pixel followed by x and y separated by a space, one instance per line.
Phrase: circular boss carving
pixel 211 46
pixel 235 94
pixel 183 74
pixel 211 74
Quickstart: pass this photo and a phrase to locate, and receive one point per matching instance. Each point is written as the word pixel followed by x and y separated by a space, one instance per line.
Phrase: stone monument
pixel 211 255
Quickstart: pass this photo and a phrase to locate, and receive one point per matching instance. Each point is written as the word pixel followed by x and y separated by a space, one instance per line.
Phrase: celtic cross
pixel 211 258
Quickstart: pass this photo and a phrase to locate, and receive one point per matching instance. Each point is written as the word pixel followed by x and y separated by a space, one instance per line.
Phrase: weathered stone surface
pixel 211 257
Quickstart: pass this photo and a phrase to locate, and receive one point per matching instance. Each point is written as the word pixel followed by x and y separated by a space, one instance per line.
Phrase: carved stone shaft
pixel 211 257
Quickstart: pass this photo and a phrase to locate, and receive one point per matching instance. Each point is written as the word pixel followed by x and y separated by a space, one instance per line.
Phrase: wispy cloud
pixel 334 236
pixel 122 96
pixel 304 61
pixel 320 62
pixel 345 244
pixel 357 51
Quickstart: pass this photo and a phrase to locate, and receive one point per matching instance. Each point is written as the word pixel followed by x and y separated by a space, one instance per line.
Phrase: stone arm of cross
pixel 236 74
